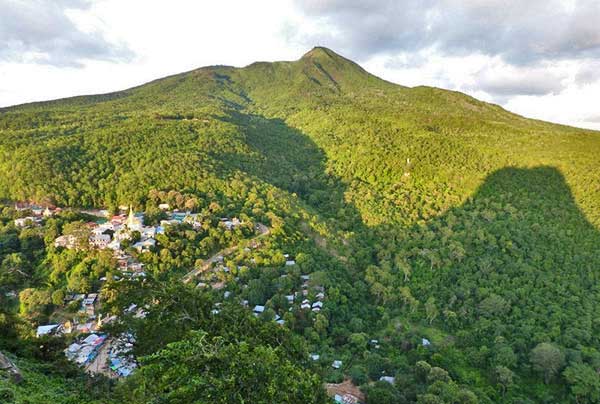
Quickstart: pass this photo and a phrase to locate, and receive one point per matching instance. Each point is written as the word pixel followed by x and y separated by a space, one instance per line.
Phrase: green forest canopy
pixel 460 219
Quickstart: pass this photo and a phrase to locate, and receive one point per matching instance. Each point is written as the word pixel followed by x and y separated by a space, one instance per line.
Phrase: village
pixel 127 236
pixel 95 351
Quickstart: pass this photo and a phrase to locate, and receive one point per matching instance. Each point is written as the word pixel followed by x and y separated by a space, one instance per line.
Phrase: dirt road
pixel 100 363
pixel 263 231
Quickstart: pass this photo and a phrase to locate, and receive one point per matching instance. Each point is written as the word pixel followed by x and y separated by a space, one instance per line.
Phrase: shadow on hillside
pixel 518 259
pixel 289 159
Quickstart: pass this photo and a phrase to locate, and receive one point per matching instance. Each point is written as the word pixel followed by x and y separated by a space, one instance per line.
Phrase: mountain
pixel 432 214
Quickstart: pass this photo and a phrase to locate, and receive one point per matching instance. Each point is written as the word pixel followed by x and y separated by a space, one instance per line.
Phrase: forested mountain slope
pixel 454 218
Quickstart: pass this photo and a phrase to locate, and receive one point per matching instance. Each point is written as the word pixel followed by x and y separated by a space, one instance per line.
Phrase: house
pixel 317 306
pixel 167 223
pixel 85 351
pixel 90 299
pixel 114 245
pixel 389 379
pixel 66 241
pixel 290 298
pixel 230 224
pixel 258 309
pixel 345 399
pixel 280 322
pixel 135 266
pixel 289 263
pixel 178 217
pixel 336 364
pixel 100 241
pixel 320 296
pixel 163 206
pixel 46 330
pixel 148 232
pixel 305 305
pixel 315 357
pixel 425 342
pixel 88 304
pixel 145 245
pixel 74 348
pixel 26 221
pixel 85 328
pixel 305 278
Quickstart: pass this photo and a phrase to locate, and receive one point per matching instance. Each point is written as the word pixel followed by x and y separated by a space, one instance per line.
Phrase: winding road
pixel 262 230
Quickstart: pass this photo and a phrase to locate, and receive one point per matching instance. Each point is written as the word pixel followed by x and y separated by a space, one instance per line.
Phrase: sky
pixel 538 58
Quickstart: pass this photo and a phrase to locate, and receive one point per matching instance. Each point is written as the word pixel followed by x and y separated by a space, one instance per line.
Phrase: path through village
pixel 261 228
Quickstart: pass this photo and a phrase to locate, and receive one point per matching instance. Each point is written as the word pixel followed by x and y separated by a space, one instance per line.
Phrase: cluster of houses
pixel 120 359
pixel 38 213
pixel 316 293
pixel 85 351
pixel 259 309
pixel 87 312
pixel 306 304
pixel 111 233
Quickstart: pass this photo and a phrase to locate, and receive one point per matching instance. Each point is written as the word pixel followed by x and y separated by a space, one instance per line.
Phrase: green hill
pixel 451 218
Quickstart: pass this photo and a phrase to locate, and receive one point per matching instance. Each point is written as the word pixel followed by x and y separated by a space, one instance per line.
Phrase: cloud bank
pixel 41 32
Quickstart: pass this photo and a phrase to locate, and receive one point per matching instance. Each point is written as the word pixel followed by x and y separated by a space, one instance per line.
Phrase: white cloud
pixel 495 50
pixel 40 31
pixel 506 81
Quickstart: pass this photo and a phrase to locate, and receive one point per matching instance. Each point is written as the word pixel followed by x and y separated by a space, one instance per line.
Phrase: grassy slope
pixel 41 386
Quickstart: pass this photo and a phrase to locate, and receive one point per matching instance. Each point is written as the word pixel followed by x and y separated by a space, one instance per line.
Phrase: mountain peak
pixel 326 66
pixel 319 52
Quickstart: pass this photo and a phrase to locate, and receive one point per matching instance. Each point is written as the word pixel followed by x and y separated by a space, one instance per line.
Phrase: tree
pixel 584 382
pixel 504 356
pixel 548 359
pixel 404 267
pixel 438 374
pixel 207 369
pixel 422 370
pixel 493 305
pixel 80 231
pixel 431 310
pixel 358 374
pixel 504 377
pixel 34 302
pixel 58 297
pixel 321 324
pixel 383 393
pixel 13 270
